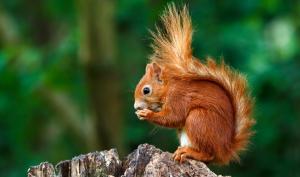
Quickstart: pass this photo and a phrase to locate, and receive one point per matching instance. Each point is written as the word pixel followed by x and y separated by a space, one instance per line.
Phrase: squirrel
pixel 208 103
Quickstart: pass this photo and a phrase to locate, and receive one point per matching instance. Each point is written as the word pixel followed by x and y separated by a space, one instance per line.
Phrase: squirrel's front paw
pixel 144 114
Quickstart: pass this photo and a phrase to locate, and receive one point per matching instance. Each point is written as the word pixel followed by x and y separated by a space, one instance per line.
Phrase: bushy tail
pixel 172 51
pixel 172 47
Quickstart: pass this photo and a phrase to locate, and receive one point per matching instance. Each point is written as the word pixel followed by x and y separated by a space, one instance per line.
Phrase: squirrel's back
pixel 173 52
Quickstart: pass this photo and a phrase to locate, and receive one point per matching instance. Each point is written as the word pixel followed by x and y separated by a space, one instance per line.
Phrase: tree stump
pixel 145 161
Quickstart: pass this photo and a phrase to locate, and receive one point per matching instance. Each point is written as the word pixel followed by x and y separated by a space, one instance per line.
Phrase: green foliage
pixel 40 49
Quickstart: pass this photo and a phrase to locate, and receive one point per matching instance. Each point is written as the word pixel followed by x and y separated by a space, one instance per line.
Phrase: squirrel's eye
pixel 146 90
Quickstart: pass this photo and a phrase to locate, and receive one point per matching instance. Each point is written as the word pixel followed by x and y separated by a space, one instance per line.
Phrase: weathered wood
pixel 102 163
pixel 145 161
pixel 44 169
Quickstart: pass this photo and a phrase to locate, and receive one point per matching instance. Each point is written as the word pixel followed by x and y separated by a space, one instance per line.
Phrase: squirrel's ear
pixel 148 66
pixel 157 72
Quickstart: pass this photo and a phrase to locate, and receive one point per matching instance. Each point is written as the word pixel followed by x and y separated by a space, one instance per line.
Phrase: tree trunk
pixel 98 57
pixel 145 161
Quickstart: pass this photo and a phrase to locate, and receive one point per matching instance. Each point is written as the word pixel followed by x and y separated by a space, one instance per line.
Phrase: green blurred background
pixel 68 70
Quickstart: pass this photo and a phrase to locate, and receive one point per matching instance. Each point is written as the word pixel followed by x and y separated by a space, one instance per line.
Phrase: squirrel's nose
pixel 138 105
pixel 138 108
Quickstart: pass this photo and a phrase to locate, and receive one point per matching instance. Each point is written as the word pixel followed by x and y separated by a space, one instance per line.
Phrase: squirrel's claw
pixel 143 114
pixel 180 155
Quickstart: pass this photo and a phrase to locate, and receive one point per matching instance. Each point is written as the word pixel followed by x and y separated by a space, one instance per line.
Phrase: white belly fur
pixel 184 139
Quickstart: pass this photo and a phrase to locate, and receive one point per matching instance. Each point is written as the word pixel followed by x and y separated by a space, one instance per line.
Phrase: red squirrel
pixel 208 103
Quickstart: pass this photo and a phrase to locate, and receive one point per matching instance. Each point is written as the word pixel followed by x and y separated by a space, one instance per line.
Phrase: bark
pixel 145 161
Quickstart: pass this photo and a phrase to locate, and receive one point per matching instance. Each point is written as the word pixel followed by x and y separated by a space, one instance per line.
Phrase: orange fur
pixel 209 101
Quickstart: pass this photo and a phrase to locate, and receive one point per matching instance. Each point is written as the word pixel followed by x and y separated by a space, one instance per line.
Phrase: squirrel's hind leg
pixel 182 153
